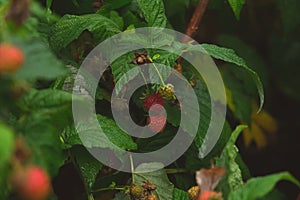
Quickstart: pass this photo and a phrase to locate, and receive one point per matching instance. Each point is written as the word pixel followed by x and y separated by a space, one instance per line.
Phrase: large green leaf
pixel 237 94
pixel 230 56
pixel 92 137
pixel 88 166
pixel 48 113
pixel 48 99
pixel 236 6
pixel 159 178
pixel 154 12
pixel 204 102
pixel 69 27
pixel 115 134
pixel 233 178
pixel 42 136
pixel 120 67
pixel 40 62
pixel 54 103
pixel 260 186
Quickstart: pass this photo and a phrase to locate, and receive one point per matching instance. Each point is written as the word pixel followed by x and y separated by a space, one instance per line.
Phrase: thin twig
pixel 195 20
pixel 194 24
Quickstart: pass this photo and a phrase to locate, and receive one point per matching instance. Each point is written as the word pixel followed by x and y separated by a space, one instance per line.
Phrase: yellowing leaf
pixel 229 99
pixel 262 124
pixel 265 121
pixel 256 135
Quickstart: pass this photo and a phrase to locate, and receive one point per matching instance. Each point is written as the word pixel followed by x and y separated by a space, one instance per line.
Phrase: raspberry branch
pixel 195 20
pixel 194 23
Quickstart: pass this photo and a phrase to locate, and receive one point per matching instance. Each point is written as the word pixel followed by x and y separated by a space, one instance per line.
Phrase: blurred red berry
pixel 32 183
pixel 210 195
pixel 157 123
pixel 11 58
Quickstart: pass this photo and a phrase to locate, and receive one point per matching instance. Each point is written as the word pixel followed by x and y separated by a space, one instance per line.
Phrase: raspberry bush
pixel 44 43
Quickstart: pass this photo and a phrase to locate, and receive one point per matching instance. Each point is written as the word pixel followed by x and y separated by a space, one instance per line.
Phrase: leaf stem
pixel 132 167
pixel 158 73
pixel 175 171
pixel 145 80
pixel 108 188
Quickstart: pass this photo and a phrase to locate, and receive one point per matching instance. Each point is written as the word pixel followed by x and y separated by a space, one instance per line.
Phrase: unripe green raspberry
pixel 166 91
pixel 136 191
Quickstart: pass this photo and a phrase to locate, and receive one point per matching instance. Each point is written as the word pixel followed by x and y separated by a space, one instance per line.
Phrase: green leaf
pixel 6 150
pixel 6 144
pixel 89 167
pixel 233 178
pixel 238 94
pixel 159 178
pixel 250 54
pixel 180 194
pixel 115 17
pixel 204 102
pixel 69 28
pixel 88 137
pixel 40 62
pixel 48 99
pixel 236 6
pixel 260 186
pixel 230 56
pixel 54 103
pixel 48 113
pixel 113 135
pixel 120 67
pixel 70 137
pixel 154 12
pixel 42 135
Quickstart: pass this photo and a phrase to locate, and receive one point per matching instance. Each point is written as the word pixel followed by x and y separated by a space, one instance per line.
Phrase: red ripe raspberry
pixel 33 183
pixel 11 58
pixel 153 99
pixel 157 123
pixel 210 195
